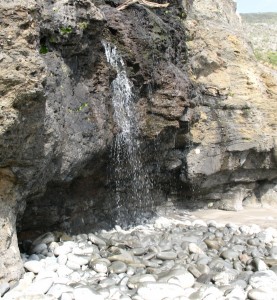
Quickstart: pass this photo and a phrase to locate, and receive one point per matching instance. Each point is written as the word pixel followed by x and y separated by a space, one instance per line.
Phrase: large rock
pixel 32 116
pixel 233 127
pixel 18 129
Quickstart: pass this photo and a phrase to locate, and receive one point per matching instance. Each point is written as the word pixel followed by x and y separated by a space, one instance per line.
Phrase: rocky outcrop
pixel 22 104
pixel 233 139
pixel 206 112
pixel 57 121
pixel 41 100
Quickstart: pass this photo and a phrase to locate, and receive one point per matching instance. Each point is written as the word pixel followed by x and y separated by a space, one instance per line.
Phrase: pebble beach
pixel 178 256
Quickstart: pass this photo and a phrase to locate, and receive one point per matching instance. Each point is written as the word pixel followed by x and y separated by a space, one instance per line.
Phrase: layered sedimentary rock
pixel 233 157
pixel 207 112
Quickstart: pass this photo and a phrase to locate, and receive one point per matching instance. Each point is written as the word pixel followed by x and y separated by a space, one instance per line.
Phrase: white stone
pixel 100 267
pixel 4 287
pixel 64 249
pixel 114 293
pixel 104 292
pixel 84 267
pixel 270 234
pixel 260 264
pixel 137 297
pixel 64 271
pixel 33 266
pixel 263 279
pixel 75 277
pixel 159 291
pixel 197 151
pixel 52 267
pixel 62 259
pixel 124 256
pixel 80 260
pixel 167 255
pixel 233 226
pixel 254 229
pixel 193 248
pixel 67 296
pixel 237 293
pixel 46 274
pixel 40 286
pixel 86 293
pixel 245 229
pixel 199 223
pixel 73 266
pixel 85 250
pixel 62 280
pixel 50 260
pixel 225 277
pixel 262 294
pixel 53 246
pixel 125 297
pixel 22 286
pixel 96 240
pixel 106 283
pixel 180 277
pixel 207 292
pixel 188 292
pixel 135 280
pixel 58 289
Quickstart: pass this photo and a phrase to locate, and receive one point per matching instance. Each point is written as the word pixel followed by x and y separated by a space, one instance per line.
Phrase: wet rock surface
pixel 164 260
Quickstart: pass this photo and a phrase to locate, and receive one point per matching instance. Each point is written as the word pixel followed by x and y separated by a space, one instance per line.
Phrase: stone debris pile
pixel 169 259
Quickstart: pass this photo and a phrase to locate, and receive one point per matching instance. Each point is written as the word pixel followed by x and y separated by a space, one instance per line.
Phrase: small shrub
pixel 43 49
pixel 258 55
pixel 83 25
pixel 52 39
pixel 81 107
pixel 65 30
pixel 272 58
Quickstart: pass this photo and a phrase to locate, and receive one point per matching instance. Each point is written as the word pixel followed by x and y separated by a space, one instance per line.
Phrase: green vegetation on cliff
pixel 268 18
pixel 261 30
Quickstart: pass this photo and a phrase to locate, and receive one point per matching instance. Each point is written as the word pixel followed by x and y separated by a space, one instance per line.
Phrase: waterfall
pixel 131 188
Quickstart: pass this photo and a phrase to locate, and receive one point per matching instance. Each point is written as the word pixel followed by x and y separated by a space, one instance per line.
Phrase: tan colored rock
pixel 238 106
pixel 10 262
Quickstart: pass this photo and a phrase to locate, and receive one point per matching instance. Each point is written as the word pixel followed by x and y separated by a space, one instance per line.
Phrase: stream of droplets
pixel 131 181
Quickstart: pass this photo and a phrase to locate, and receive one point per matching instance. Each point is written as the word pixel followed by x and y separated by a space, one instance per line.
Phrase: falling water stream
pixel 131 181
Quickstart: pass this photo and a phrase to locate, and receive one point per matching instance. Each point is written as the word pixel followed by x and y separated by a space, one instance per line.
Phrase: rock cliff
pixel 207 112
pixel 233 153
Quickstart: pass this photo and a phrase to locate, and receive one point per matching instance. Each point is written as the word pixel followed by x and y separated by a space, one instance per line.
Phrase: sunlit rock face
pixel 206 113
pixel 40 105
pixel 231 160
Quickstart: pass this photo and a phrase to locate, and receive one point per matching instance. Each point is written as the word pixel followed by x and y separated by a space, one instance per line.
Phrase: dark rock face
pixel 79 119
pixel 199 139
